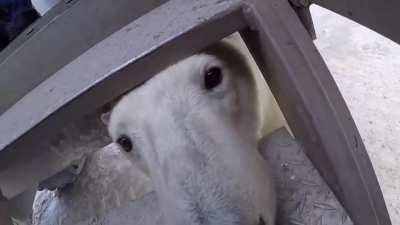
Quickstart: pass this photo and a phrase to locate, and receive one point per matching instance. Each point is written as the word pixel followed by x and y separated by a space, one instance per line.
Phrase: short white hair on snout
pixel 194 129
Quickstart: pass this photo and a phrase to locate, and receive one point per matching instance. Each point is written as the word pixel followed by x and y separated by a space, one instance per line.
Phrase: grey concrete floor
pixel 366 67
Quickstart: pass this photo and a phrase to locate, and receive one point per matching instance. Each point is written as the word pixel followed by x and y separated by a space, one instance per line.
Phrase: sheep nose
pixel 261 221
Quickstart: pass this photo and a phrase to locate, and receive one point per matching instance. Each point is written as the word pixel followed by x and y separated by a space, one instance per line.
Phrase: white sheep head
pixel 194 129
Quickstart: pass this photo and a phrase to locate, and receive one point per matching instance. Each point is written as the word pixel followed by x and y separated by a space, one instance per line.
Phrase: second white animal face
pixel 194 129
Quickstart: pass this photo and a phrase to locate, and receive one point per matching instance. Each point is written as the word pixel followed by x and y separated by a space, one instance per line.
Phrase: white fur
pixel 200 146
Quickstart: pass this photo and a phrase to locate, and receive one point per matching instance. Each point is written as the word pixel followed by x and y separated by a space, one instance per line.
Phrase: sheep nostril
pixel 261 221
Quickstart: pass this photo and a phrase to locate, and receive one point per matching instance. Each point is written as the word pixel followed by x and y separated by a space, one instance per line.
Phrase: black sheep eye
pixel 212 78
pixel 125 143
